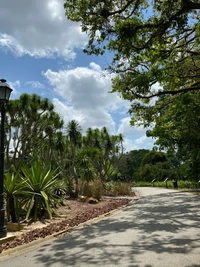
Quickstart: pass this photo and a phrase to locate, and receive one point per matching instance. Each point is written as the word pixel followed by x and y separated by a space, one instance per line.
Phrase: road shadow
pixel 154 229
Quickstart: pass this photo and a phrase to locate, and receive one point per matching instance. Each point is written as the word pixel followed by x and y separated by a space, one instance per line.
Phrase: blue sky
pixel 41 52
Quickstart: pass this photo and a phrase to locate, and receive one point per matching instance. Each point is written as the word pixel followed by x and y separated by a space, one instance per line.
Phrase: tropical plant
pixel 30 124
pixel 87 171
pixel 13 187
pixel 104 151
pixel 39 183
pixel 73 131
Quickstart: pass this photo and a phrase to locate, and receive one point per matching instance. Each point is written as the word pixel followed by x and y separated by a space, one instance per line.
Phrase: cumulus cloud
pixel 15 86
pixel 39 29
pixel 126 129
pixel 85 96
pixel 135 137
pixel 143 142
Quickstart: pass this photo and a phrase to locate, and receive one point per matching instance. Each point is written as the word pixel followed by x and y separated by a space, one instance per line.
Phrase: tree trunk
pixel 12 211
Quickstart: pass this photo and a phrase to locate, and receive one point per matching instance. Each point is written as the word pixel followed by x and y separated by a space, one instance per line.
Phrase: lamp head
pixel 5 91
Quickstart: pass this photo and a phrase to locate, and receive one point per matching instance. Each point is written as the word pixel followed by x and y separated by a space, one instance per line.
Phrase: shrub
pixel 13 187
pixel 118 188
pixel 122 189
pixel 181 184
pixel 92 189
pixel 38 185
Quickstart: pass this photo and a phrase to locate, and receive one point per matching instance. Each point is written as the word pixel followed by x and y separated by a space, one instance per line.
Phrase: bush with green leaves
pixel 39 183
pixel 181 184
pixel 13 187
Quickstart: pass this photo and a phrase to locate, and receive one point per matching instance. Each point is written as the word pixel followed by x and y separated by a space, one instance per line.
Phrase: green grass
pixel 181 184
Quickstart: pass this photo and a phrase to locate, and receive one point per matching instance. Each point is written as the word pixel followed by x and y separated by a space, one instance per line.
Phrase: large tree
pixel 178 130
pixel 154 43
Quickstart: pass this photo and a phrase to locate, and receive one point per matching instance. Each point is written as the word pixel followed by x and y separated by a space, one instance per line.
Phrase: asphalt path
pixel 161 229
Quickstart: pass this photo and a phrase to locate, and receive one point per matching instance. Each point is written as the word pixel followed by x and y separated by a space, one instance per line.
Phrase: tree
pixel 155 165
pixel 155 48
pixel 154 157
pixel 152 41
pixel 104 151
pixel 30 124
pixel 178 128
pixel 74 133
pixel 129 163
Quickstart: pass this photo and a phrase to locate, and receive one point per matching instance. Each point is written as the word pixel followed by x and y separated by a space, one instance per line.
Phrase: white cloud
pixel 85 98
pixel 39 29
pixel 67 112
pixel 35 84
pixel 142 142
pixel 15 86
pixel 127 130
pixel 85 95
pixel 135 137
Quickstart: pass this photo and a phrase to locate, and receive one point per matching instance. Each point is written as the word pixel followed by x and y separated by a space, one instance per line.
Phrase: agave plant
pixel 39 182
pixel 13 188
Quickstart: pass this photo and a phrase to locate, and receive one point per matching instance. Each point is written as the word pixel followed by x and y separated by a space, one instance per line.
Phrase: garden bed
pixel 72 214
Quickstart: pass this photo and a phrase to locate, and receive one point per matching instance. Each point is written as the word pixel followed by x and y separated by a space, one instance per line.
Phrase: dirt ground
pixel 70 210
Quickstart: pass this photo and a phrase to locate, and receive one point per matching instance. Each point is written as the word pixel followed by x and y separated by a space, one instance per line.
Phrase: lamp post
pixel 5 92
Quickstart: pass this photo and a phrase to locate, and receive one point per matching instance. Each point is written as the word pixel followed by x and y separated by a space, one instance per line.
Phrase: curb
pixel 41 241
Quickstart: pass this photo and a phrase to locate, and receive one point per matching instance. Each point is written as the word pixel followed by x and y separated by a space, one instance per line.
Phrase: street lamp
pixel 5 92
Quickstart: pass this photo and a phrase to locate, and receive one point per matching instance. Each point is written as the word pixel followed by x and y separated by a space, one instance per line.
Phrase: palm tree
pixel 74 133
pixel 30 124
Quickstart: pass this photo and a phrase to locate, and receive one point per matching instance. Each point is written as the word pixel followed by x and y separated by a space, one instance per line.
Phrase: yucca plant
pixel 39 182
pixel 13 188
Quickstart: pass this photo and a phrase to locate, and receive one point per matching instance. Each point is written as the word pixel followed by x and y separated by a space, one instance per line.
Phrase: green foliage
pixel 182 184
pixel 30 125
pixel 154 157
pixel 13 188
pixel 188 184
pixel 178 128
pixel 159 171
pixel 157 40
pixel 155 48
pixel 74 134
pixel 39 183
pixel 87 171
pixel 104 151
pixel 129 163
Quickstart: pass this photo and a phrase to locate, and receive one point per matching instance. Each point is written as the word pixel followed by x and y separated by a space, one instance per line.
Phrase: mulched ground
pixel 75 213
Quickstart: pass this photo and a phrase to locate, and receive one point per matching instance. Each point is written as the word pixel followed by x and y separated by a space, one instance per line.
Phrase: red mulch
pixel 80 213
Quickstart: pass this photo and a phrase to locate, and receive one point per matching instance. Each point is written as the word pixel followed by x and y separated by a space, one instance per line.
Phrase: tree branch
pixel 194 87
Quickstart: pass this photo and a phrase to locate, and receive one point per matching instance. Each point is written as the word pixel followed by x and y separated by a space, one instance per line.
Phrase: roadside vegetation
pixel 155 64
pixel 47 161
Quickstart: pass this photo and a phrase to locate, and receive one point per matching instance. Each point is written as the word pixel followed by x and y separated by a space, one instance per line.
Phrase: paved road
pixel 159 230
